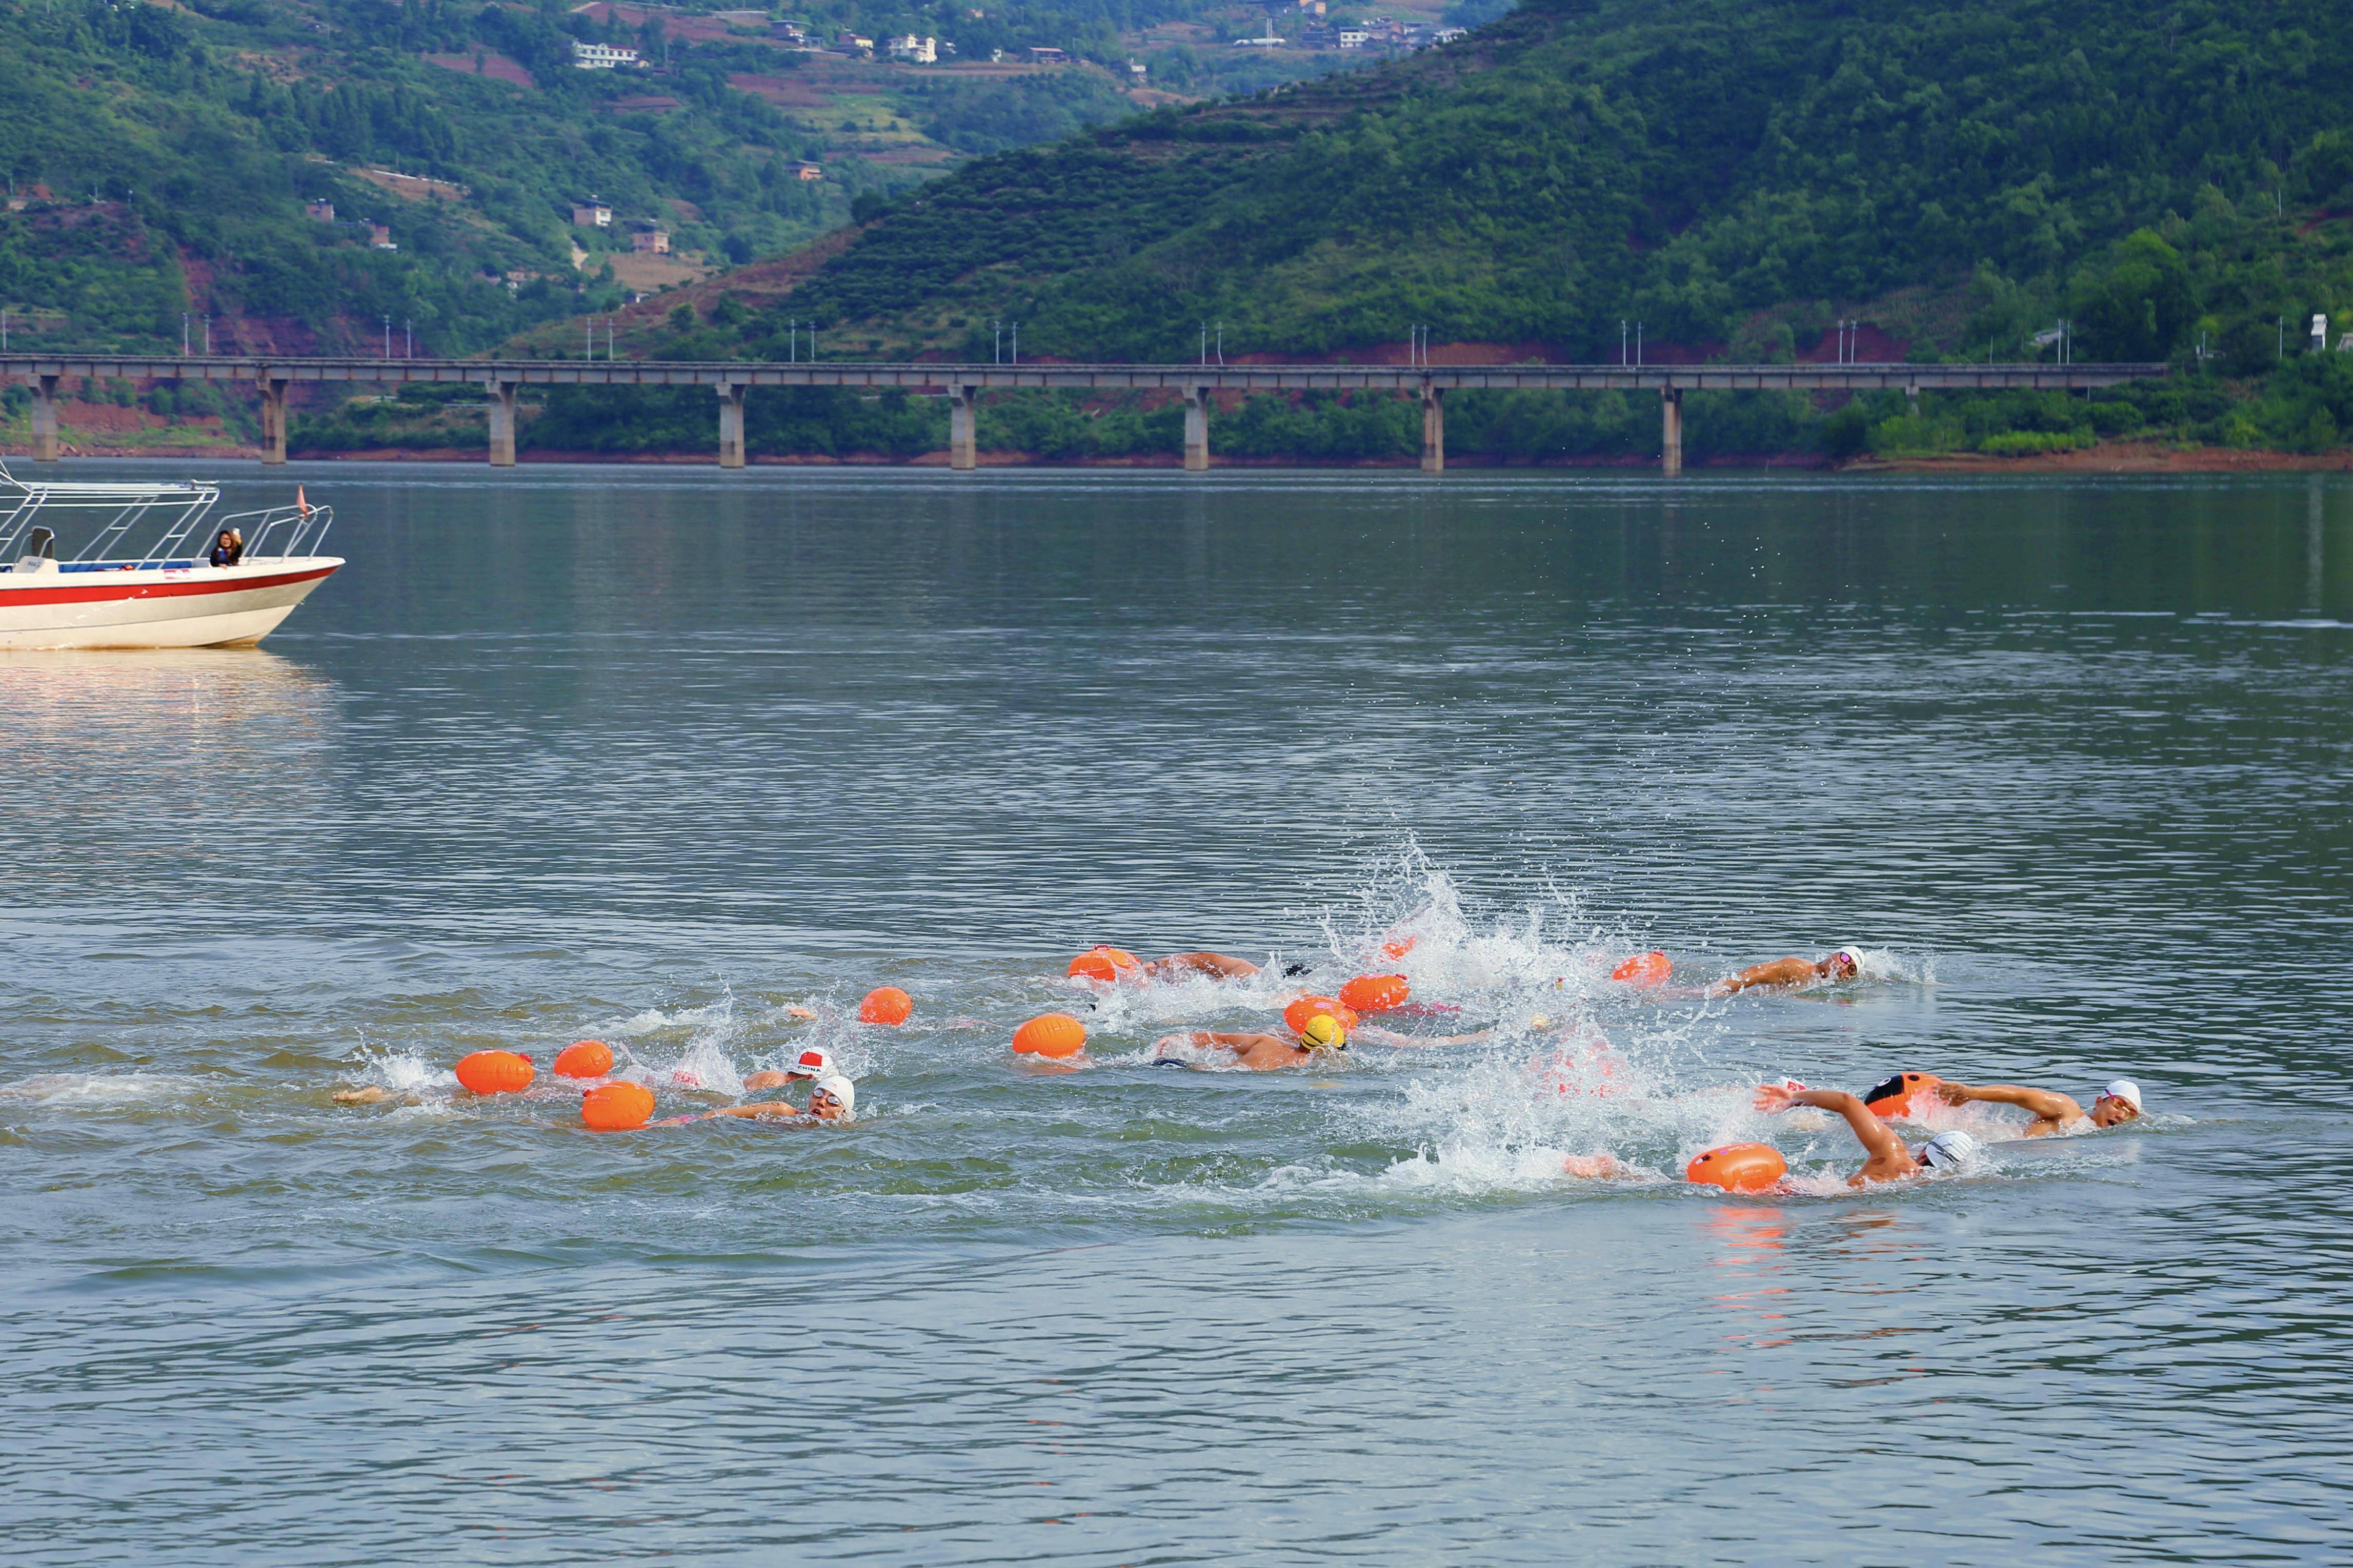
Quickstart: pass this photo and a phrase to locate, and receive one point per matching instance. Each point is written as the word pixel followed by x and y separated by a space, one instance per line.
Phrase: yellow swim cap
pixel 1323 1033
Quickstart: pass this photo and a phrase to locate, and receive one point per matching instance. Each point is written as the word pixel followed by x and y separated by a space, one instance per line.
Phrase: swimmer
pixel 1262 1053
pixel 815 1062
pixel 1593 1167
pixel 2118 1102
pixel 1844 964
pixel 1889 1159
pixel 375 1094
pixel 834 1099
pixel 1215 965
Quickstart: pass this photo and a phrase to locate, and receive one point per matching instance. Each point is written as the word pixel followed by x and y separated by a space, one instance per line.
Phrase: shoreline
pixel 2107 457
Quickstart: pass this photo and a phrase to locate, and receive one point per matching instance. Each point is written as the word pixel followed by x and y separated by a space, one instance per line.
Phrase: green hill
pixel 161 157
pixel 1730 173
pixel 1738 178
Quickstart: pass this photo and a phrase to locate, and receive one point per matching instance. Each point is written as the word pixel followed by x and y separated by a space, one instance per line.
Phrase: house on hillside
pixel 380 237
pixel 1352 37
pixel 603 57
pixel 915 50
pixel 849 43
pixel 789 32
pixel 591 214
pixel 318 210
pixel 1048 56
pixel 648 237
pixel 808 170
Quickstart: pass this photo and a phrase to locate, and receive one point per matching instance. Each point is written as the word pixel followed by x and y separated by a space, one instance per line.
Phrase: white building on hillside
pixel 915 51
pixel 602 57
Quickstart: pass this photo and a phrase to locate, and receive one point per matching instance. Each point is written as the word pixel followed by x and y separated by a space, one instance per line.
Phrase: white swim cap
pixel 2123 1088
pixel 842 1089
pixel 1852 952
pixel 814 1062
pixel 1948 1149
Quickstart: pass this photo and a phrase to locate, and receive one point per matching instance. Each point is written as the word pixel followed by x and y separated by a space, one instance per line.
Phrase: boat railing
pixel 306 530
pixel 176 511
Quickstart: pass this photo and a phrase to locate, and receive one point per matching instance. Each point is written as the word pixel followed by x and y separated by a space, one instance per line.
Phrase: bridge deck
pixel 1197 384
pixel 1130 378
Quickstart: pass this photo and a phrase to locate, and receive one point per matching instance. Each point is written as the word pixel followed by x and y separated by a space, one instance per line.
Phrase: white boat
pixel 159 597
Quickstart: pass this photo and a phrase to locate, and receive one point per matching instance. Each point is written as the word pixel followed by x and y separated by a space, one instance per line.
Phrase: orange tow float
pixel 1376 993
pixel 886 1004
pixel 584 1058
pixel 1107 965
pixel 1300 1012
pixel 1056 1034
pixel 617 1107
pixel 1738 1168
pixel 496 1072
pixel 1651 968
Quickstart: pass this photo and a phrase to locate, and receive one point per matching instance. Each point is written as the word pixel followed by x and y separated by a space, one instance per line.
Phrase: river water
pixel 659 757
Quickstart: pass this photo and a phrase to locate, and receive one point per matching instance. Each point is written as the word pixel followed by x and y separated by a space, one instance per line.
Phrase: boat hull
pixel 203 606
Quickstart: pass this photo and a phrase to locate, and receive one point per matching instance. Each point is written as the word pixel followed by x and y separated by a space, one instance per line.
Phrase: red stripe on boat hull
pixel 152 590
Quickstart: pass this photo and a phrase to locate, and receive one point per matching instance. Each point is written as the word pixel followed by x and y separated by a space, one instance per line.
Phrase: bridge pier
pixel 1433 429
pixel 963 453
pixel 1671 457
pixel 1196 429
pixel 45 419
pixel 731 424
pixel 502 424
pixel 273 421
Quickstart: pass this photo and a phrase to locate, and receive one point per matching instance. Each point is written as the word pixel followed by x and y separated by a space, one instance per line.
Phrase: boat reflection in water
pixel 157 597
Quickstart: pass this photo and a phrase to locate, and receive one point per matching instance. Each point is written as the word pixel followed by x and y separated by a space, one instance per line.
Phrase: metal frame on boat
pixel 157 598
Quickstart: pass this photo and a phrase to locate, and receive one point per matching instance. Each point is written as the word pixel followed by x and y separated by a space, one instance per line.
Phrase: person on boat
pixel 814 1062
pixel 1323 1037
pixel 229 548
pixel 835 1099
pixel 1844 964
pixel 2052 1112
pixel 1887 1158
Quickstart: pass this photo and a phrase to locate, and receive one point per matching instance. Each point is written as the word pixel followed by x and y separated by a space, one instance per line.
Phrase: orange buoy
pixel 1399 946
pixel 1894 1096
pixel 1738 1167
pixel 1051 1035
pixel 1645 969
pixel 584 1058
pixel 886 1004
pixel 1306 1007
pixel 1376 993
pixel 1106 964
pixel 496 1072
pixel 617 1107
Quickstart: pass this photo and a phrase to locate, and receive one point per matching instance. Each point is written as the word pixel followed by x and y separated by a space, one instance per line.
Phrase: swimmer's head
pixel 1323 1033
pixel 1844 963
pixel 815 1061
pixel 1947 1150
pixel 1293 971
pixel 834 1099
pixel 2119 1101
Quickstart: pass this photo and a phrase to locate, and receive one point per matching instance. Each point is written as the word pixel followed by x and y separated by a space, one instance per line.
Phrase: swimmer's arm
pixel 1216 965
pixel 1382 1036
pixel 1207 1039
pixel 1869 1130
pixel 763 1109
pixel 1780 972
pixel 2041 1103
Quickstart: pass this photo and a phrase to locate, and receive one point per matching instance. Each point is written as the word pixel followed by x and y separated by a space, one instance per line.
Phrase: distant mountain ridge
pixel 1735 176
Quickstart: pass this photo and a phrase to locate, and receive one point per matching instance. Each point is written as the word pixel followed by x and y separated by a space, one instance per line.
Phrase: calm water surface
pixel 658 756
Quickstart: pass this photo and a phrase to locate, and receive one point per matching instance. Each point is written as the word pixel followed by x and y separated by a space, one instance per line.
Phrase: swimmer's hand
pixel 1592 1167
pixel 1953 1093
pixel 768 1078
pixel 1774 1097
pixel 374 1094
pixel 801 1012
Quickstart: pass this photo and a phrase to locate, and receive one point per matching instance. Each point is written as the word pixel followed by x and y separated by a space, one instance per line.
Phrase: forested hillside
pixel 161 158
pixel 1731 173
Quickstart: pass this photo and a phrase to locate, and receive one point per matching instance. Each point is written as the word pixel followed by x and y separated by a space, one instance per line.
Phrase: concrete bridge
pixel 961 385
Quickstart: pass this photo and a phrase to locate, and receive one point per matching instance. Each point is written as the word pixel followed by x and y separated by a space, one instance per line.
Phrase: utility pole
pixel 1016 342
pixel 1205 342
pixel 1638 344
pixel 1221 334
pixel 183 334
pixel 209 337
pixel 997 355
pixel 408 330
pixel 387 337
pixel 1621 341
